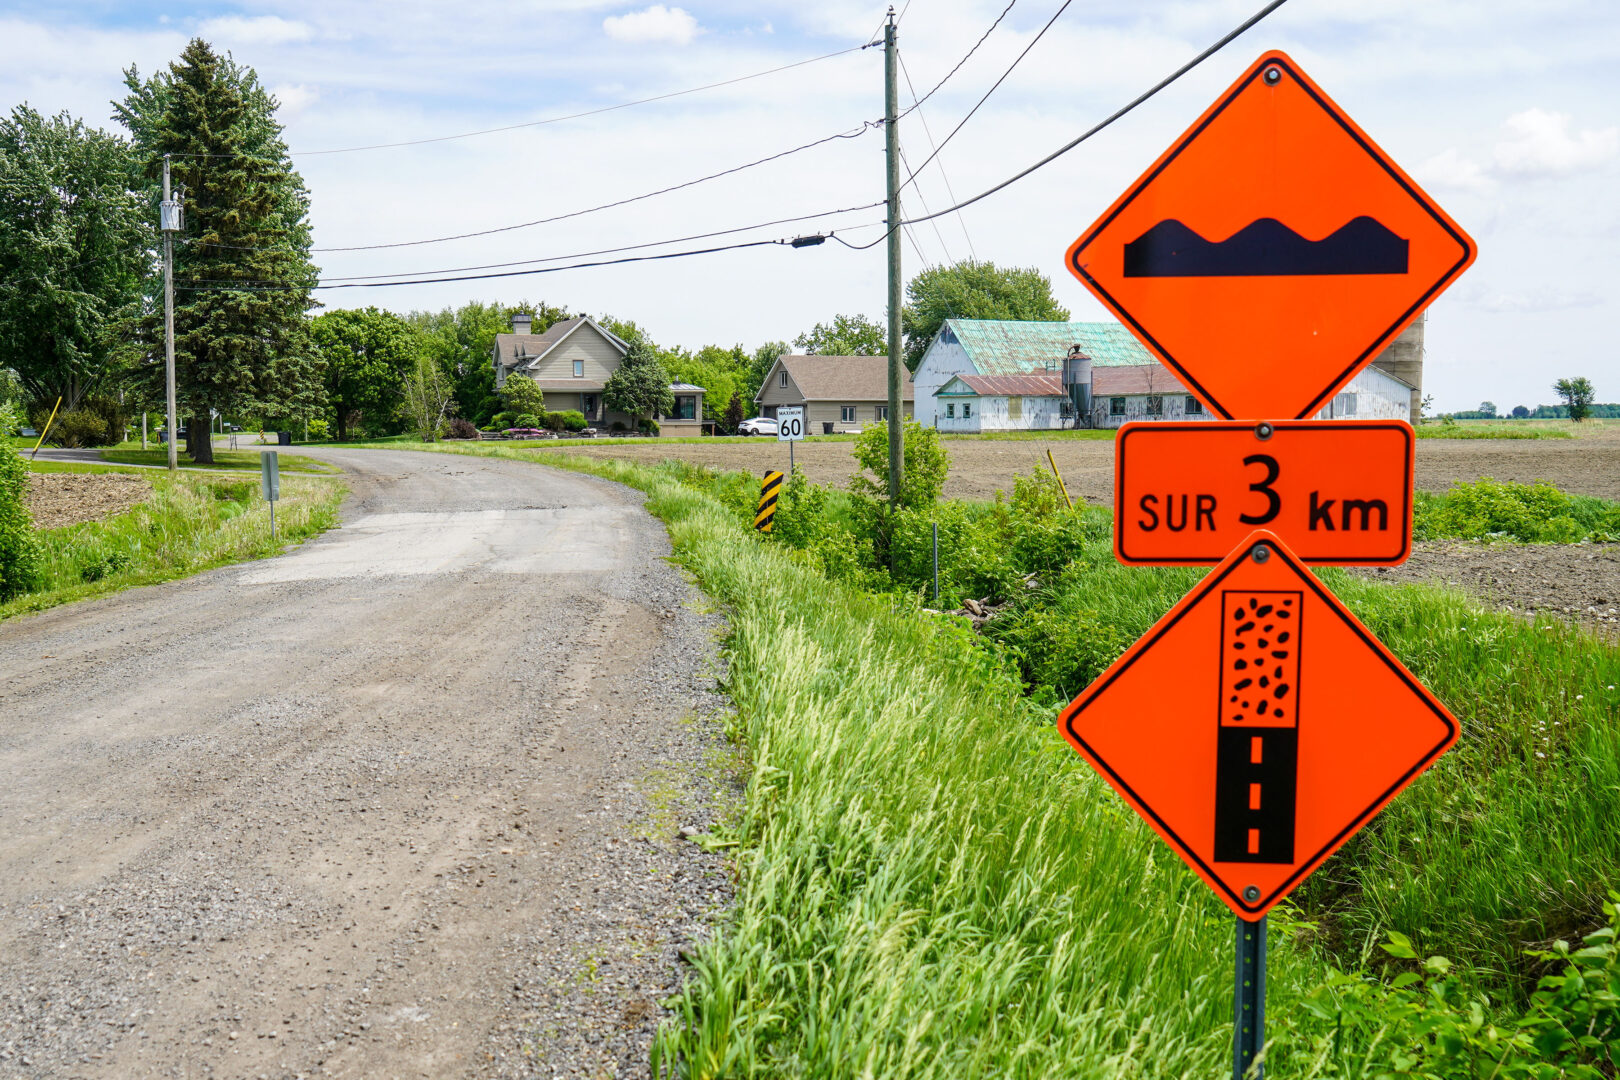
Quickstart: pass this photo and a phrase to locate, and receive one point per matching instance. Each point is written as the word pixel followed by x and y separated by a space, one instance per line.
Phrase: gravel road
pixel 402 802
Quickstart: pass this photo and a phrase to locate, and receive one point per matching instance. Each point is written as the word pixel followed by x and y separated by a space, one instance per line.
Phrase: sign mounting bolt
pixel 1273 76
pixel 1261 552
pixel 1263 431
pixel 1251 893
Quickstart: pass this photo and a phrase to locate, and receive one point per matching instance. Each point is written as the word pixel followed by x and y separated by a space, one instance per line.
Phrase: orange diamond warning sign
pixel 1273 251
pixel 1258 725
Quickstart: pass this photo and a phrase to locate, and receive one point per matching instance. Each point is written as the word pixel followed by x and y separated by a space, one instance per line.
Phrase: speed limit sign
pixel 789 424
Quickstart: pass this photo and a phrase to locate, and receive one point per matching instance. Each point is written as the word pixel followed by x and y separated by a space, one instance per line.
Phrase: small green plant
pixel 1427 1022
pixel 1529 513
pixel 19 549
pixel 318 429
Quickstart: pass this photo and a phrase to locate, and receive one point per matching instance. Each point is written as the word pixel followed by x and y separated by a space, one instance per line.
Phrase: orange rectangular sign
pixel 1339 492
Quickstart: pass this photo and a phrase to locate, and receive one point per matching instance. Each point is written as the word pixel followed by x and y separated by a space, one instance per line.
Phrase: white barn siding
pixel 940 363
pixel 1373 394
pixel 1174 407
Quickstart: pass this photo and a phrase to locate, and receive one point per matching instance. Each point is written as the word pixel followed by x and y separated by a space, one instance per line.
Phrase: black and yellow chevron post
pixel 767 501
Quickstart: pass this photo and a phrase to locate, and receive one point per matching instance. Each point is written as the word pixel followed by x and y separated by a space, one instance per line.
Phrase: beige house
pixel 847 392
pixel 572 361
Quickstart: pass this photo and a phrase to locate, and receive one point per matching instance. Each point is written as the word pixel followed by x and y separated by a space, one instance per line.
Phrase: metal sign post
pixel 270 482
pixel 1249 1000
pixel 790 428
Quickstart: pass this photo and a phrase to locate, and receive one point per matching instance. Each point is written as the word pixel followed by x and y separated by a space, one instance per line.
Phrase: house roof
pixel 686 388
pixel 841 378
pixel 1152 378
pixel 1008 347
pixel 514 349
pixel 1006 385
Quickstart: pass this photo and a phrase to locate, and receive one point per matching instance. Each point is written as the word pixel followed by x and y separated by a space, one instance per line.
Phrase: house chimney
pixel 521 321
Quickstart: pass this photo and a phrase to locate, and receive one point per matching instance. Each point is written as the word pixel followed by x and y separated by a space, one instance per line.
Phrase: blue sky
pixel 1506 112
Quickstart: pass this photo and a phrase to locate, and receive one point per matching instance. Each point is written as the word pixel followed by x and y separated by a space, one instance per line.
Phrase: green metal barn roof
pixel 1004 347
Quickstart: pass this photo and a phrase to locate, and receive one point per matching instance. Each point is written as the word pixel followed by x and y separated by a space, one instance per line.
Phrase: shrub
pixel 523 397
pixel 527 420
pixel 76 428
pixel 113 414
pixel 462 428
pixel 1531 513
pixel 19 548
pixel 618 425
pixel 923 477
pixel 318 429
pixel 11 419
pixel 567 420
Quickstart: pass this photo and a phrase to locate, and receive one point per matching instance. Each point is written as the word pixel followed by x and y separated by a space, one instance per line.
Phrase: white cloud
pixel 1543 144
pixel 674 25
pixel 255 30
pixel 1449 169
pixel 1532 300
pixel 295 97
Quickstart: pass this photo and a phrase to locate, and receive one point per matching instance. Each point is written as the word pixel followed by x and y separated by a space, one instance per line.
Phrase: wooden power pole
pixel 891 94
pixel 169 221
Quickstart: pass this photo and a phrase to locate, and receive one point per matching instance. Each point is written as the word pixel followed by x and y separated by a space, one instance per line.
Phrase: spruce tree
pixel 242 269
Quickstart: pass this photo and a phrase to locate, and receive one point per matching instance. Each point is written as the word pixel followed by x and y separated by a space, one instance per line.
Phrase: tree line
pixel 81 290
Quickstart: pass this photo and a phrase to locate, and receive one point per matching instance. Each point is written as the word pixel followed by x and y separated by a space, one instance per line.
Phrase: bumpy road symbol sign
pixel 1339 492
pixel 1258 725
pixel 1273 251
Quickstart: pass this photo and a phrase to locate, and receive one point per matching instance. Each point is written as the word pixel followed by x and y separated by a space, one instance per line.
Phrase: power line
pixel 207 285
pixel 949 191
pixel 934 224
pixel 556 119
pixel 990 91
pixel 865 126
pixel 916 101
pixel 614 250
pixel 1230 37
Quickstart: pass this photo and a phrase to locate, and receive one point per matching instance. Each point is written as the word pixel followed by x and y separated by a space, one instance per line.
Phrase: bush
pixel 19 547
pixel 76 428
pixel 462 428
pixel 11 419
pixel 1530 513
pixel 318 429
pixel 567 420
pixel 618 426
pixel 527 420
pixel 522 396
pixel 114 414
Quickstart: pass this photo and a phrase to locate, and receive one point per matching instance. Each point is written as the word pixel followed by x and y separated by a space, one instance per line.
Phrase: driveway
pixel 400 802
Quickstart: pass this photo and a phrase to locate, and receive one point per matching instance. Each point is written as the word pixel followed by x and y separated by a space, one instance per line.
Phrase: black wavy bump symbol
pixel 1266 248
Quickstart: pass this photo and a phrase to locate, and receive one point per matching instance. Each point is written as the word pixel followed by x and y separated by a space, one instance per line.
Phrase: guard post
pixel 270 484
pixel 768 489
pixel 1249 1000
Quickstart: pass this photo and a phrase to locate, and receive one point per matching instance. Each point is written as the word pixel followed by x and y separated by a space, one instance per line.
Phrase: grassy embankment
pixel 933 884
pixel 236 460
pixel 191 522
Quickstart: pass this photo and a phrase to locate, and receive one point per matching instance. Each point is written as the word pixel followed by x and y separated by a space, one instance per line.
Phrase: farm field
pixel 1588 464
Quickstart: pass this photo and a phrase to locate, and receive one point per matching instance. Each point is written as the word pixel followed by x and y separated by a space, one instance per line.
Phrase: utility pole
pixel 891 94
pixel 169 221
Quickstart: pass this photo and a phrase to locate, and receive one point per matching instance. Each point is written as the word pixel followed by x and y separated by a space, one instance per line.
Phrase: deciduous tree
pixel 1577 394
pixel 76 242
pixel 973 290
pixel 366 356
pixel 846 335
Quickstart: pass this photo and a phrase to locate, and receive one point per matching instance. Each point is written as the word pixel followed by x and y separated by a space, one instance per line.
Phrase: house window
pixel 1344 405
pixel 880 413
pixel 1155 405
pixel 1015 408
pixel 950 410
pixel 967 409
pixel 784 378
pixel 1194 406
pixel 685 407
pixel 846 414
pixel 579 369
pixel 1116 406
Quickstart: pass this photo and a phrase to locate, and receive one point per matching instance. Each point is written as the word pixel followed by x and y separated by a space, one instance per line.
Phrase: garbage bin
pixel 826 427
pixel 283 438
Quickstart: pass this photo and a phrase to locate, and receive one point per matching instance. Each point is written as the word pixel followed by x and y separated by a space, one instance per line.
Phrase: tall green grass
pixel 192 522
pixel 933 885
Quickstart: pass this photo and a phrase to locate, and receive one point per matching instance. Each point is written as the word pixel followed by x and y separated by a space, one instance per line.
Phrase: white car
pixel 759 425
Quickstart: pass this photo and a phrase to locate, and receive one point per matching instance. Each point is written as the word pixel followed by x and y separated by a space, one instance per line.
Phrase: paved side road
pixel 399 803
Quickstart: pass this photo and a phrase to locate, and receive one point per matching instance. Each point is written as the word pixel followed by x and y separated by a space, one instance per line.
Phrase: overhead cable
pixel 919 100
pixel 558 119
pixel 949 191
pixel 225 285
pixel 987 93
pixel 1230 37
